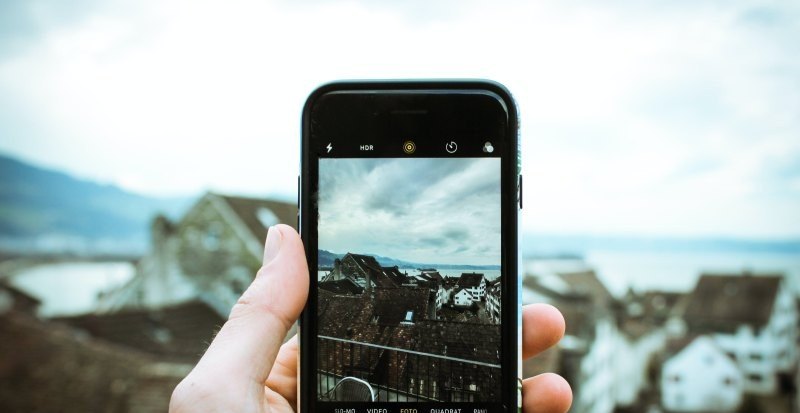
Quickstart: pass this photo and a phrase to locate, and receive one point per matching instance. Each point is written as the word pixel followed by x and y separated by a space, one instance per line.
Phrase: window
pixel 756 356
pixel 755 378
pixel 675 378
pixel 729 381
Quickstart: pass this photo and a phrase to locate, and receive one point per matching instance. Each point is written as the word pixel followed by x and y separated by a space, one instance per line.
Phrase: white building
pixel 589 350
pixel 493 300
pixel 752 318
pixel 700 378
pixel 643 324
pixel 475 283
pixel 463 298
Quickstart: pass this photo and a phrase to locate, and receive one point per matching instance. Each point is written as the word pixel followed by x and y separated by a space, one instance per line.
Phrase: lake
pixel 72 287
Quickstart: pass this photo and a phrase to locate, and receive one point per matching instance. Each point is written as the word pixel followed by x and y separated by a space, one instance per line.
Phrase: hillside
pixel 47 210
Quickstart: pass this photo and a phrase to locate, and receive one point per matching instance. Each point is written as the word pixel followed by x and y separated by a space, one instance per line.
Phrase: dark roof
pixel 365 261
pixel 722 303
pixel 470 280
pixel 180 332
pixel 431 275
pixel 380 277
pixel 643 313
pixel 77 373
pixel 344 286
pixel 247 210
pixel 392 305
pixel 587 283
pixel 470 341
pixel 395 275
pixel 578 317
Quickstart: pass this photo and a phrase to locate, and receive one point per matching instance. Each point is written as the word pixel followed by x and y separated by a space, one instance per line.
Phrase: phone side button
pixel 519 191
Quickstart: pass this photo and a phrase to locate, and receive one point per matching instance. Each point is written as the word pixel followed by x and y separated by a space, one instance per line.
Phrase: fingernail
pixel 273 245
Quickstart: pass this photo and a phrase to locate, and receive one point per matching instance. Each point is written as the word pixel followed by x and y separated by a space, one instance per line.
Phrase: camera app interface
pixel 409 280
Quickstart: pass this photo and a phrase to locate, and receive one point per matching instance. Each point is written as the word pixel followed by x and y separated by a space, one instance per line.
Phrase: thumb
pixel 247 344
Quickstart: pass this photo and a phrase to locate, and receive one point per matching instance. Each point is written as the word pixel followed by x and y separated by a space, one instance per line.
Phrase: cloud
pixel 620 101
pixel 444 211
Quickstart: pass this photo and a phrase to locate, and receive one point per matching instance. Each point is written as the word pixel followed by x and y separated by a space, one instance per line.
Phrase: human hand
pixel 246 369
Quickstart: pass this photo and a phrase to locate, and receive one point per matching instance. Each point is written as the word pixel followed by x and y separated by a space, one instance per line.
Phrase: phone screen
pixel 410 268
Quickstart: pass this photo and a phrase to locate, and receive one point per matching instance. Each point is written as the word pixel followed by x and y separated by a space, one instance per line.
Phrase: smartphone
pixel 410 194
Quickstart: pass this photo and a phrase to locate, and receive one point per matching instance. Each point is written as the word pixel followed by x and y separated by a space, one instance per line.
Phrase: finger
pixel 247 344
pixel 542 327
pixel 283 377
pixel 546 393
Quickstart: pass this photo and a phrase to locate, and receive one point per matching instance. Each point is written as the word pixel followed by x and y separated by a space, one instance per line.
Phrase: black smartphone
pixel 410 194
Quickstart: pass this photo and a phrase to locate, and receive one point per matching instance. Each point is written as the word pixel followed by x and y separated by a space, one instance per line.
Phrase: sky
pixel 639 117
pixel 419 210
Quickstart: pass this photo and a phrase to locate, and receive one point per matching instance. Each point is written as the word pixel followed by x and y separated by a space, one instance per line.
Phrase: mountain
pixel 45 210
pixel 326 258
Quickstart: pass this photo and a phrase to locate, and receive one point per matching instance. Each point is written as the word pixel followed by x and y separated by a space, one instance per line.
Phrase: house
pixel 701 377
pixel 212 253
pixel 390 338
pixel 176 333
pixel 588 352
pixel 643 322
pixel 366 272
pixel 462 297
pixel 493 300
pixel 76 372
pixel 473 372
pixel 344 286
pixel 475 283
pixel 753 318
pixel 12 299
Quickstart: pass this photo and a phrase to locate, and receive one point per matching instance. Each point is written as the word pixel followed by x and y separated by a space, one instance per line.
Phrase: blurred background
pixel 145 147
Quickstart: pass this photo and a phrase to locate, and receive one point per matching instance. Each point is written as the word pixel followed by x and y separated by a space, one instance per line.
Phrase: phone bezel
pixel 510 179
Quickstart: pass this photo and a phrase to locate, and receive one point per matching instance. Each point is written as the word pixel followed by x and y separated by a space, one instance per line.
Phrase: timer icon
pixel 451 147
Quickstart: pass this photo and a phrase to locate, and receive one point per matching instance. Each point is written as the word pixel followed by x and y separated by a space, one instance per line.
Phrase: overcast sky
pixel 421 210
pixel 639 117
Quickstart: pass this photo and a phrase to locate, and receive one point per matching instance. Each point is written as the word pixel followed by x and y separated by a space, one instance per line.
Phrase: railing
pixel 405 375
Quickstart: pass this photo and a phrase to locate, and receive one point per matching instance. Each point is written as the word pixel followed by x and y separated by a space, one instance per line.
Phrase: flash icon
pixel 329 147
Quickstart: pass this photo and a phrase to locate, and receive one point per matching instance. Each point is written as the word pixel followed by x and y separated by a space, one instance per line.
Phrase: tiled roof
pixel 247 209
pixel 344 286
pixel 393 304
pixel 724 302
pixel 180 332
pixel 587 283
pixel 470 280
pixel 47 367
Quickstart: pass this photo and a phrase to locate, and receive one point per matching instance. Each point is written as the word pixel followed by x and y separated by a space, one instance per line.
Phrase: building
pixel 49 367
pixel 391 338
pixel 701 377
pixel 588 353
pixel 211 254
pixel 493 300
pixel 177 333
pixel 643 323
pixel 462 297
pixel 475 283
pixel 366 272
pixel 753 318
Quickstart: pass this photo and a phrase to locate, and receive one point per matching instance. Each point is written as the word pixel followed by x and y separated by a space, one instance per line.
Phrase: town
pixel 417 336
pixel 727 344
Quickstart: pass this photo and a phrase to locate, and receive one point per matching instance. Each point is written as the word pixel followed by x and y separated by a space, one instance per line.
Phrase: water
pixel 71 288
pixel 679 271
pixel 489 274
